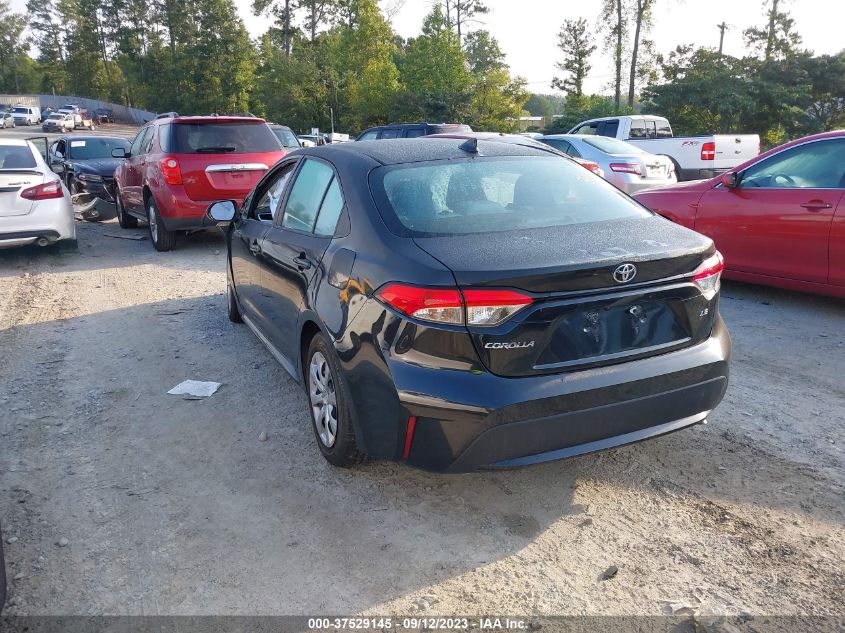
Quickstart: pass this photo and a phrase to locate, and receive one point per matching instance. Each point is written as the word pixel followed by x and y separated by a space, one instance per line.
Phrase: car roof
pixel 85 137
pixel 212 119
pixel 5 140
pixel 415 150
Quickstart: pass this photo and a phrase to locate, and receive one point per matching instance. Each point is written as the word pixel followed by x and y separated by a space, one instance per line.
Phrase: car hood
pixel 99 166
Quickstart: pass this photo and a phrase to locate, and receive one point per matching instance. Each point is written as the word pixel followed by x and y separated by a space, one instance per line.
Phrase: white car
pixel 59 122
pixel 26 115
pixel 694 157
pixel 35 207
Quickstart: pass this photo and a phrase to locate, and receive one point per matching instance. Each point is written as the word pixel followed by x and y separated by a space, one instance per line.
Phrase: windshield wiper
pixel 215 150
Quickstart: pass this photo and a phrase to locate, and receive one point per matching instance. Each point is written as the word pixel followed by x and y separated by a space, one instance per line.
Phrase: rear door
pixel 777 222
pixel 837 245
pixel 293 251
pixel 133 172
pixel 224 158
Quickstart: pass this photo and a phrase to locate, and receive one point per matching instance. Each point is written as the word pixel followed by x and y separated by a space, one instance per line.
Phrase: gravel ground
pixel 125 500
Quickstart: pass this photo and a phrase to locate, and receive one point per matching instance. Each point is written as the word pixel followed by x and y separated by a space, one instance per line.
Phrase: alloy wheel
pixel 323 397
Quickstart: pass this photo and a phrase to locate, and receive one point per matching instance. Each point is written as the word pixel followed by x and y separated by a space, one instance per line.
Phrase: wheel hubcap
pixel 151 214
pixel 321 391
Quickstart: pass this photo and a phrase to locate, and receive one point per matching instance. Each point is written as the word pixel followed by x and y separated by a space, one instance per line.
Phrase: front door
pixel 247 236
pixel 778 220
pixel 132 189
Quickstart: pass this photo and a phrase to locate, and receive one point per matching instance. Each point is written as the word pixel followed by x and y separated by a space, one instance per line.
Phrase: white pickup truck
pixel 694 156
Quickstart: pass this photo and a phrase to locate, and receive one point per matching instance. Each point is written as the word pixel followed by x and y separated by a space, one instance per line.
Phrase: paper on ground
pixel 195 388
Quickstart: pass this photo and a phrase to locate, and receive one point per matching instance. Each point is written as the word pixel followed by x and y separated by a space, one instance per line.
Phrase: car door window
pixel 609 128
pixel 369 136
pixel 329 210
pixel 588 128
pixel 389 134
pixel 816 165
pixel 136 144
pixel 414 133
pixel 557 143
pixel 60 149
pixel 271 196
pixel 306 196
pixel 147 145
pixel 638 130
pixel 572 151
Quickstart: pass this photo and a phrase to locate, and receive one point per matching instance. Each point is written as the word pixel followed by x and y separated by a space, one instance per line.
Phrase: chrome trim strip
pixel 237 167
pixel 281 358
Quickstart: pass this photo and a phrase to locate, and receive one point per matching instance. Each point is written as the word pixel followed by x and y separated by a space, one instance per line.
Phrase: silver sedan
pixel 626 166
pixel 35 207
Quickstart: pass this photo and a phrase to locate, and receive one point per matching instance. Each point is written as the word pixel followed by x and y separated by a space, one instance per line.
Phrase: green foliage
pixel 576 43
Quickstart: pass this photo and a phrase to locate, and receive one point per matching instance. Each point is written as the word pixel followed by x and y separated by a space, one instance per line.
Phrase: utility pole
pixel 722 28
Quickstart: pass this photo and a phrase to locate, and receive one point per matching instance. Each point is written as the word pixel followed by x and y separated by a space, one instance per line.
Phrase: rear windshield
pixel 223 138
pixel 95 147
pixel 612 145
pixel 489 195
pixel 286 137
pixel 16 157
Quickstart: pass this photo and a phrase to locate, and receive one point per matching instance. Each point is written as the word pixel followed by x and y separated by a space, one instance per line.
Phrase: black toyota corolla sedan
pixel 457 304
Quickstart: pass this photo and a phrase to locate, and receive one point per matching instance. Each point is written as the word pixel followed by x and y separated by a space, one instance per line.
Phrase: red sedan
pixel 778 219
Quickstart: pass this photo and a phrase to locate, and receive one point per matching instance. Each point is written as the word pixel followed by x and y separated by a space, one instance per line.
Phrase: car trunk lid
pixel 582 315
pixel 12 183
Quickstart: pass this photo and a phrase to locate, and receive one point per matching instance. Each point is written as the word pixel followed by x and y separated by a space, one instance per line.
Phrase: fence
pixel 120 113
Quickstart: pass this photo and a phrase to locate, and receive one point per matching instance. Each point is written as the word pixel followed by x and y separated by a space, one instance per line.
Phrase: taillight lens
pixel 45 191
pixel 626 168
pixel 707 276
pixel 491 307
pixel 449 305
pixel 708 151
pixel 441 305
pixel 170 170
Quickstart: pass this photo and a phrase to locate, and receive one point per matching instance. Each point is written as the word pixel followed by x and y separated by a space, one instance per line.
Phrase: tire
pixel 162 239
pixel 125 220
pixel 232 305
pixel 324 384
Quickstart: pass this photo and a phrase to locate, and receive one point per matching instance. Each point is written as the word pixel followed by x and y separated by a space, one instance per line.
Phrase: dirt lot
pixel 174 506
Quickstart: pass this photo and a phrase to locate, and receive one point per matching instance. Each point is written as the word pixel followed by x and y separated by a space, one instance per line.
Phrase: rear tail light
pixel 170 170
pixel 708 151
pixel 591 166
pixel 707 276
pixel 450 306
pixel 45 191
pixel 626 168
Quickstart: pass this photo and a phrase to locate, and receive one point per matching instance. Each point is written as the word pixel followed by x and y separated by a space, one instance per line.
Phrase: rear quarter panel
pixel 678 206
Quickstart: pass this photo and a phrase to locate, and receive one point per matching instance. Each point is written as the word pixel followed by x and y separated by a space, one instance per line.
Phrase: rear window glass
pixel 613 146
pixel 222 138
pixel 489 195
pixel 16 157
pixel 96 147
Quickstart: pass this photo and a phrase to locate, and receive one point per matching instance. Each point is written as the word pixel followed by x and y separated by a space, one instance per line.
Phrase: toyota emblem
pixel 624 273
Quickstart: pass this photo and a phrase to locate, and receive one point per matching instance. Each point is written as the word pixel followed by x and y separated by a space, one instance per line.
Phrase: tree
pixel 483 53
pixel 12 46
pixel 642 21
pixel 826 76
pixel 497 99
pixel 576 44
pixel 778 39
pixel 614 24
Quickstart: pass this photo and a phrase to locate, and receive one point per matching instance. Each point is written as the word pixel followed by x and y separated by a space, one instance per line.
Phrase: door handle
pixel 254 248
pixel 302 262
pixel 816 205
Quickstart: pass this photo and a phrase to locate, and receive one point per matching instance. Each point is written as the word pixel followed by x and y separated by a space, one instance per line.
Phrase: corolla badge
pixel 513 345
pixel 624 273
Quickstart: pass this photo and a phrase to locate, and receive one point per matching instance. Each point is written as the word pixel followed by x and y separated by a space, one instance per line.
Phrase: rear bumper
pixel 180 213
pixel 467 421
pixel 50 219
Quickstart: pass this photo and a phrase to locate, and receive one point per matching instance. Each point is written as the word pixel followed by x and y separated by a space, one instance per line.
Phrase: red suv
pixel 177 166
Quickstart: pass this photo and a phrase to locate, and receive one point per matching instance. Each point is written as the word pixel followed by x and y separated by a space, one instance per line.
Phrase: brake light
pixel 170 170
pixel 449 305
pixel 707 276
pixel 708 151
pixel 593 167
pixel 626 168
pixel 45 191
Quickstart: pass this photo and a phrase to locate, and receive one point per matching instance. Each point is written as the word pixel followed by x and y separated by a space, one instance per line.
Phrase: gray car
pixel 626 166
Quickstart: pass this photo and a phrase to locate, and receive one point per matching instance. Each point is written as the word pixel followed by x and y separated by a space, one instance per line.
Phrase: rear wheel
pixel 163 240
pixel 329 404
pixel 125 220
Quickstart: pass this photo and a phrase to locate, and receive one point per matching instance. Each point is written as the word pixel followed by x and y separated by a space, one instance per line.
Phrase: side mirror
pixel 223 211
pixel 730 180
pixel 119 152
